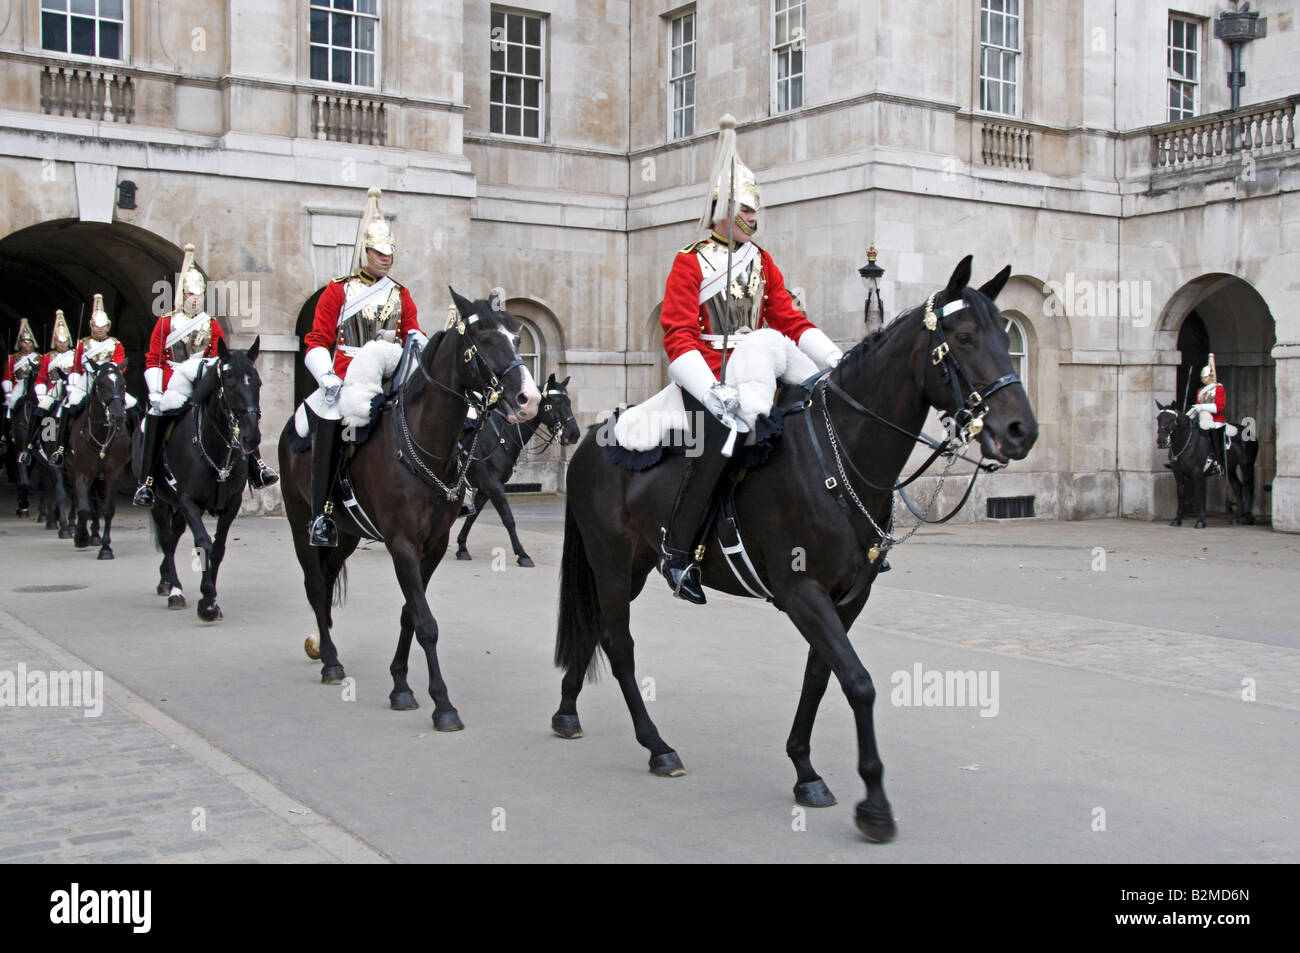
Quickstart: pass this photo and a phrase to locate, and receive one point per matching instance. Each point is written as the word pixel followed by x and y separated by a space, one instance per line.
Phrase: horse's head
pixel 241 388
pixel 1166 423
pixel 491 361
pixel 557 412
pixel 109 388
pixel 967 369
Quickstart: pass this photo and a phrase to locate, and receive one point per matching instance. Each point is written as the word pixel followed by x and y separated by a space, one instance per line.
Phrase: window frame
pixel 122 60
pixel 692 76
pixel 1019 359
pixel 986 46
pixel 376 53
pixel 797 42
pixel 543 63
pixel 1173 78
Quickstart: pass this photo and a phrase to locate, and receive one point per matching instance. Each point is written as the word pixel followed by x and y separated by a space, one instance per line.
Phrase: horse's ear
pixel 565 383
pixel 994 285
pixel 463 305
pixel 223 352
pixel 252 351
pixel 1159 405
pixel 959 280
pixel 550 381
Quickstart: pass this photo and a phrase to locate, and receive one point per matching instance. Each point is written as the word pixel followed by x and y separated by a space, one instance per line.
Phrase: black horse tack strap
pixel 354 507
pixel 727 528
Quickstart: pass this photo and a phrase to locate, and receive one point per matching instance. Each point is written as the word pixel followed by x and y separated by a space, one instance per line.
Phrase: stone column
pixel 1286 483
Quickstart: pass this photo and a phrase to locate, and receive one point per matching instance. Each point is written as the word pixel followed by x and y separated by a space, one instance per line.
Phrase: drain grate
pixel 1010 507
pixel 523 488
pixel 70 587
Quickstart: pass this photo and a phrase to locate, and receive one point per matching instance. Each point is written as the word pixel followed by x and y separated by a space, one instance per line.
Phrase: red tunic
pixel 9 367
pixel 324 330
pixel 119 353
pixel 158 354
pixel 684 318
pixel 43 375
pixel 1219 400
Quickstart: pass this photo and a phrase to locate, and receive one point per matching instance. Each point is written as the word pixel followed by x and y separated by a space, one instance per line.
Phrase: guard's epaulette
pixel 340 279
pixel 693 247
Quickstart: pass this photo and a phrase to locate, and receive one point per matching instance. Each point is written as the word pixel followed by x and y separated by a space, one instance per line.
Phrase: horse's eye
pixel 965 340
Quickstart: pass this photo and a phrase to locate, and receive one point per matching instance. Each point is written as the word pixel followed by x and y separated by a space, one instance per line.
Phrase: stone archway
pixel 64 263
pixel 1225 315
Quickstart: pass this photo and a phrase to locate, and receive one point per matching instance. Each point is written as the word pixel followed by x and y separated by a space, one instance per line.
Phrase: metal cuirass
pixel 26 365
pixel 194 344
pixel 740 305
pixel 371 322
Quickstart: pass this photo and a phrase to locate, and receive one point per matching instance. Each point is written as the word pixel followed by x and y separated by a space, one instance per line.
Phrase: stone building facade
pixel 557 149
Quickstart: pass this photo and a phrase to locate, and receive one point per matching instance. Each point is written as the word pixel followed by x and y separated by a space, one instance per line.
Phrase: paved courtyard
pixel 1141 703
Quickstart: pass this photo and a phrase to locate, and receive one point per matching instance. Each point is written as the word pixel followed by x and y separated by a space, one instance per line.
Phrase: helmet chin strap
pixel 744 227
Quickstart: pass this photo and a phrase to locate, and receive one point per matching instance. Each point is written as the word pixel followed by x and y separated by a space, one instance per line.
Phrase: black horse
pixel 205 456
pixel 408 483
pixel 26 476
pixel 499 446
pixel 1189 447
pixel 55 497
pixel 99 451
pixel 866 413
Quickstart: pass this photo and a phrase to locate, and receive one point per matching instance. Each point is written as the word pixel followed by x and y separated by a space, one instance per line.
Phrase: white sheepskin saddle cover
pixel 375 363
pixel 180 386
pixel 761 359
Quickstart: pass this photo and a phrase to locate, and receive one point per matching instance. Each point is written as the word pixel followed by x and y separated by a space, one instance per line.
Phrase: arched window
pixel 1018 350
pixel 530 349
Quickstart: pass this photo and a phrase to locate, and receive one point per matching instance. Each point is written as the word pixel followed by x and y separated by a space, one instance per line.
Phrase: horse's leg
pixel 169 525
pixel 809 790
pixel 62 496
pixel 82 537
pixel 108 506
pixel 480 497
pixel 1248 489
pixel 496 489
pixel 208 609
pixel 811 610
pixel 318 583
pixel 401 698
pixel 413 570
pixel 1199 482
pixel 1181 491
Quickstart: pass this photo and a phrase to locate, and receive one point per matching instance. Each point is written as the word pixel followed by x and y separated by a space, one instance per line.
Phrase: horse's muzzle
pixel 525 401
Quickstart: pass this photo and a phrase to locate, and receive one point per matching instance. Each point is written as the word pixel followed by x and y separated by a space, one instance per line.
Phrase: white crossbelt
pixel 183 330
pixel 375 294
pixel 740 260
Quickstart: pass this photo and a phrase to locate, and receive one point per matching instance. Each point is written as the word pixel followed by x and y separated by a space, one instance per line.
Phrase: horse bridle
pixel 1191 433
pixel 972 403
pixel 87 426
pixel 232 442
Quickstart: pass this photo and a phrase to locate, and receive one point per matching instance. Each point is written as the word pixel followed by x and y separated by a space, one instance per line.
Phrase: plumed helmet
pixel 191 280
pixel 61 336
pixel 98 316
pixel 746 185
pixel 373 232
pixel 25 333
pixel 1209 372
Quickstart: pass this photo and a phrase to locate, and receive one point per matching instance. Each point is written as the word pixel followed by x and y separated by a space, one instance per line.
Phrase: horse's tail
pixel 577 632
pixel 340 592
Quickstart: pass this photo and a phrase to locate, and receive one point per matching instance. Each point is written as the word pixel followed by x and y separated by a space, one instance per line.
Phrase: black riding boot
pixel 33 437
pixel 153 427
pixel 324 465
pixel 61 438
pixel 260 476
pixel 680 553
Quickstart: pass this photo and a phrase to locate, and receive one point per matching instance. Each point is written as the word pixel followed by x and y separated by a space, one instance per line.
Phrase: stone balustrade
pixel 349 119
pixel 87 94
pixel 1219 138
pixel 1007 146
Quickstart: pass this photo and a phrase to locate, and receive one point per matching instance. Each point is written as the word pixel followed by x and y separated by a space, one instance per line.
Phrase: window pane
pixel 515 28
pixel 1191 66
pixel 365 6
pixel 1176 32
pixel 512 122
pixel 55 5
pixel 796 92
pixel 342 67
pixel 498 124
pixel 679 95
pixel 83 36
pixel 365 69
pixel 342 30
pixel 688 59
pixel 689 129
pixel 342 4
pixel 320 60
pixel 533 62
pixel 1009 100
pixel 779 34
pixel 366 34
pixel 995 33
pixel 675 32
pixel 515 59
pixel 796 62
pixel 689 34
pixel 514 91
pixel 531 90
pixel 498 20
pixel 498 89
pixel 499 59
pixel 111 9
pixel 110 40
pixel 54 32
pixel 84 6
pixel 320 26
pixel 1191 36
pixel 690 94
pixel 782 65
pixel 1178 62
pixel 530 123
pixel 534 33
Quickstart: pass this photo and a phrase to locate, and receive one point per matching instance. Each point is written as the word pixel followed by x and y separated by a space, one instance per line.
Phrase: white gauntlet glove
pixel 721 400
pixel 330 384
pixel 820 348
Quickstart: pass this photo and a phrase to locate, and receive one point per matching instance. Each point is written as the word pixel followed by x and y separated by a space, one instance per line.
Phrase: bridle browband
pixel 971 402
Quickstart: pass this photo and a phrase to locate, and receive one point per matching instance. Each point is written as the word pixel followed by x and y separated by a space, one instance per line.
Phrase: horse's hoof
pixel 813 794
pixel 403 701
pixel 525 562
pixel 210 613
pixel 447 721
pixel 667 765
pixel 95 540
pixel 463 554
pixel 163 588
pixel 81 542
pixel 105 553
pixel 1249 520
pixel 67 534
pixel 176 602
pixel 51 524
pixel 1175 522
pixel 332 675
pixel 312 647
pixel 1200 524
pixel 566 726
pixel 876 826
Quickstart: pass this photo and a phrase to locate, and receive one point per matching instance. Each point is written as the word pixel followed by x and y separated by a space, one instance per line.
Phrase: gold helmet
pixel 98 316
pixel 190 281
pixel 25 334
pixel 373 232
pixel 61 336
pixel 1209 374
pixel 720 186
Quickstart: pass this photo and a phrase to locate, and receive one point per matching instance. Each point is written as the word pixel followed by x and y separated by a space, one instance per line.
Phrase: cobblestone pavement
pixel 1127 654
pixel 133 785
